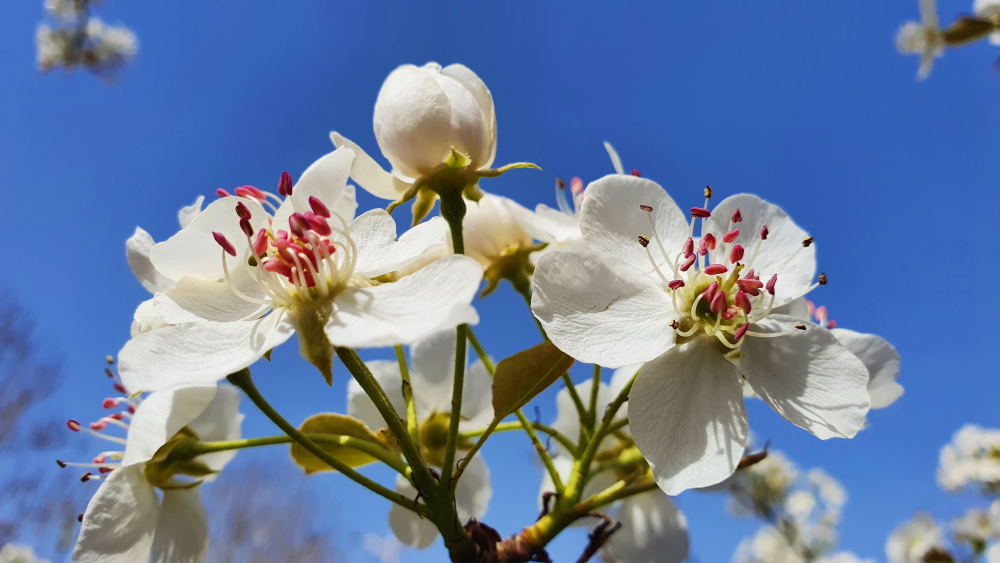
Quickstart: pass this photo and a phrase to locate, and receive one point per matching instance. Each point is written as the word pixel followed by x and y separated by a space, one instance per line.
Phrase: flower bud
pixel 423 112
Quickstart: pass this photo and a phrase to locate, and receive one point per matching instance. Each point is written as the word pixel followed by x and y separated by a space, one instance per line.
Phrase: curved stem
pixel 508 426
pixel 244 381
pixel 411 409
pixel 366 446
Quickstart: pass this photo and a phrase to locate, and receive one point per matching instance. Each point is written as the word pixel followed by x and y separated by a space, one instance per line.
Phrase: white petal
pixel 686 414
pixel 621 377
pixel 120 519
pixel 187 213
pixel 798 308
pixel 161 415
pixel 484 99
pixel 556 227
pixel 215 301
pixel 410 529
pixel 326 179
pixel 881 360
pixel 137 250
pixel 362 408
pixel 432 299
pixel 192 251
pixel 653 531
pixel 494 225
pixel 194 353
pixel 182 528
pixel 477 397
pixel 472 495
pixel 567 420
pixel 157 312
pixel 368 174
pixel 220 421
pixel 611 219
pixel 380 253
pixel 809 377
pixel 432 368
pixel 782 253
pixel 596 314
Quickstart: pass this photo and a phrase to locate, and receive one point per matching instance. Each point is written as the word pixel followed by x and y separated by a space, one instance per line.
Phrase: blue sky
pixel 804 103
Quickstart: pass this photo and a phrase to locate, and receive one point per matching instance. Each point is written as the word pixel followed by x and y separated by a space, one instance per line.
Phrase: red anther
pixel 730 236
pixel 109 373
pixel 700 212
pixel 318 207
pixel 636 173
pixel 742 301
pixel 736 254
pixel 716 269
pixel 246 228
pixel 98 425
pixel 242 211
pixel 576 185
pixel 750 285
pixel 740 332
pixel 117 416
pixel 222 193
pixel 251 193
pixel 709 241
pixel 61 463
pixel 709 292
pixel 708 192
pixel 729 313
pixel 278 267
pixel 688 247
pixel 73 425
pixel 764 232
pixel 560 185
pixel 79 517
pixel 298 224
pixel 110 403
pixel 718 302
pixel 224 243
pixel 120 388
pixel 702 248
pixel 674 324
pixel 807 242
pixel 285 184
pixel 675 284
pixel 105 469
pixel 318 223
pixel 130 409
pixel 646 208
pixel 688 263
pixel 737 217
pixel 86 477
pixel 770 284
pixel 831 324
pixel 260 243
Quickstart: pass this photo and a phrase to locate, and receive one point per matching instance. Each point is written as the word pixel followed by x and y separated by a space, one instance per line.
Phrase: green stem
pixel 422 477
pixel 582 466
pixel 508 426
pixel 453 211
pixel 244 381
pixel 411 409
pixel 595 387
pixel 376 451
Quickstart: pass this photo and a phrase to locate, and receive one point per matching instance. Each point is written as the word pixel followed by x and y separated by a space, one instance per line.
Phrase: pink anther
pixel 770 284
pixel 736 254
pixel 730 236
pixel 700 212
pixel 224 243
pixel 675 284
pixel 716 269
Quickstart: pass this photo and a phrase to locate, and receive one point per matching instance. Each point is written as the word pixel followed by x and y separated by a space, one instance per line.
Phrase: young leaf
pixel 525 374
pixel 337 424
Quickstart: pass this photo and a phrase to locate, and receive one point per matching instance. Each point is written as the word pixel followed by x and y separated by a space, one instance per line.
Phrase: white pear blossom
pixel 653 529
pixel 978 526
pixel 128 520
pixel 923 38
pixel 140 245
pixel 971 459
pixel 432 375
pixel 989 10
pixel 699 313
pixel 19 553
pixel 421 114
pixel 912 541
pixel 766 546
pixel 307 269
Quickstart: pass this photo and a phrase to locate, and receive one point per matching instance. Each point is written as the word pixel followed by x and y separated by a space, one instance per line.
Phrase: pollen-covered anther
pixel 822 279
pixel 806 242
pixel 730 236
pixel 643 240
pixel 708 192
pixel 736 254
pixel 715 269
pixel 700 212
pixel 224 243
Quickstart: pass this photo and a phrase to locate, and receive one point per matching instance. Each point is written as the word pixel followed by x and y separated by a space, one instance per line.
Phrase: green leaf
pixel 526 374
pixel 336 424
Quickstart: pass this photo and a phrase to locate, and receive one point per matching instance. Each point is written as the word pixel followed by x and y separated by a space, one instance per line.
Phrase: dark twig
pixel 599 535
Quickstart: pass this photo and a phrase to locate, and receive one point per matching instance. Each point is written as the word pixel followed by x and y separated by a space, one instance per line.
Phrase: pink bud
pixel 675 284
pixel 736 254
pixel 770 284
pixel 730 236
pixel 742 301
pixel 318 207
pixel 224 243
pixel 700 212
pixel 716 269
pixel 285 184
pixel 260 243
pixel 764 232
pixel 688 263
pixel 737 217
pixel 740 332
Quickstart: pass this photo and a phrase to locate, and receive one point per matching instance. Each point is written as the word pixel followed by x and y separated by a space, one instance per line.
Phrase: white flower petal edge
pixel 379 252
pixel 200 352
pixel 120 520
pixel 653 531
pixel 686 414
pixel 181 528
pixel 597 315
pixel 369 174
pixel 809 377
pixel 160 416
pixel 137 250
pixel 881 360
pixel 432 299
pixel 361 407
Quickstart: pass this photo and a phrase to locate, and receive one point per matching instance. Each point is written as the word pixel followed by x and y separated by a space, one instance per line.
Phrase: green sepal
pixel 494 172
pixel 423 204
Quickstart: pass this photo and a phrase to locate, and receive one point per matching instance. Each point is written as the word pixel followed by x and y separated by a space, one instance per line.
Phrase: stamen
pixel 742 301
pixel 807 241
pixel 688 263
pixel 700 212
pixel 736 254
pixel 764 232
pixel 709 292
pixel 260 243
pixel 675 284
pixel 246 228
pixel 285 184
pixel 715 269
pixel 227 246
pixel 770 284
pixel 708 192
pixel 251 192
pixel 730 236
pixel 740 332
pixel 561 201
pixel 737 217
pixel 318 207
pixel 718 302
pixel 222 193
pixel 688 249
pixel 242 211
pixel 822 279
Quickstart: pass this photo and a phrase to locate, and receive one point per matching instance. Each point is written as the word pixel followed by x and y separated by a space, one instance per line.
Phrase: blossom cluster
pixel 696 308
pixel 78 39
pixel 928 40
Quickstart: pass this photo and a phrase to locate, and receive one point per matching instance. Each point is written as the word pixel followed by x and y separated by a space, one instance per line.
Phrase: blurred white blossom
pixel 978 526
pixel 971 459
pixel 19 553
pixel 923 38
pixel 79 39
pixel 914 540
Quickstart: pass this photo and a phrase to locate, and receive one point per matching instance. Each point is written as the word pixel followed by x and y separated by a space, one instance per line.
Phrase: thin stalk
pixel 244 381
pixel 366 446
pixel 595 386
pixel 453 211
pixel 516 425
pixel 411 409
